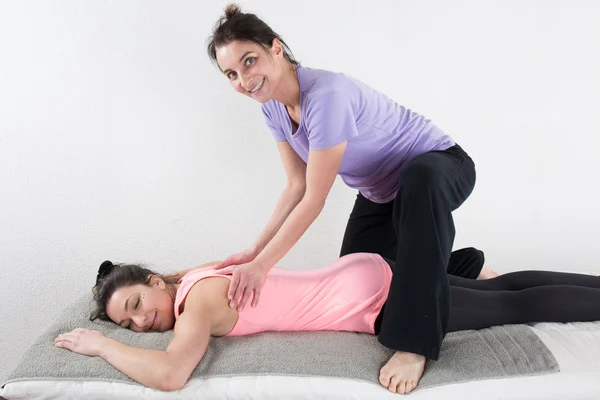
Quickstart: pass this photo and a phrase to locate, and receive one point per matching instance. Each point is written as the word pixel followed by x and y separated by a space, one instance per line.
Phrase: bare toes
pixel 402 387
pixel 384 379
pixel 393 386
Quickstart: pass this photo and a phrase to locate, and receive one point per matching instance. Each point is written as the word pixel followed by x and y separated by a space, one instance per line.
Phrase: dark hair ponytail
pixel 236 25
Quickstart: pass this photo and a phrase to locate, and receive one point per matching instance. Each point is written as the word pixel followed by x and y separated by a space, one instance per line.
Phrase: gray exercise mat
pixel 498 352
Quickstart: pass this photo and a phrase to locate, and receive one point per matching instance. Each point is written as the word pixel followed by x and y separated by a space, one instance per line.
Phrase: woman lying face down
pixel 346 295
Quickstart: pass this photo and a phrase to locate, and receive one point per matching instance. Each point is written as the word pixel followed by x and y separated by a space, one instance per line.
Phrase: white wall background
pixel 119 139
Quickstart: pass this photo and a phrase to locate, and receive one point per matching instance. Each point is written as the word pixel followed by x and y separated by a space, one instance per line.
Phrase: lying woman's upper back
pixel 346 295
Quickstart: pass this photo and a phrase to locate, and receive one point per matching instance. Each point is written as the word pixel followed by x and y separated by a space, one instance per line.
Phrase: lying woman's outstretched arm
pixel 160 369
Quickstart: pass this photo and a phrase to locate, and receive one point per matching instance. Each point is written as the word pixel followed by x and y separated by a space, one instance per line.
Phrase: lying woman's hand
pixel 82 341
pixel 246 279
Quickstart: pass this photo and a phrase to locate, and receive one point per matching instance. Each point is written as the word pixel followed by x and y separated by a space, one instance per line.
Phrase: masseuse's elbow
pixel 297 188
pixel 314 203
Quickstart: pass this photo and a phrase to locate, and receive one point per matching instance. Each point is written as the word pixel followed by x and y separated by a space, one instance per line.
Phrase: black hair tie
pixel 105 268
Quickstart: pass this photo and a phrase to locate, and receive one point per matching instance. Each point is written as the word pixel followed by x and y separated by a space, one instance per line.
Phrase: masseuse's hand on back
pixel 248 277
pixel 239 258
pixel 247 274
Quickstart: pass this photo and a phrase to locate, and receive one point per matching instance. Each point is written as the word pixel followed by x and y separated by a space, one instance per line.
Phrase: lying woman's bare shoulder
pixel 210 295
pixel 211 290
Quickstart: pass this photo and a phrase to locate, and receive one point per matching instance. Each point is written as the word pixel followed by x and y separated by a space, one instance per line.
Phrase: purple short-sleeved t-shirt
pixel 382 136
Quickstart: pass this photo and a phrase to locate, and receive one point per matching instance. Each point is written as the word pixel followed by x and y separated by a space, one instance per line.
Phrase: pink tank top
pixel 346 295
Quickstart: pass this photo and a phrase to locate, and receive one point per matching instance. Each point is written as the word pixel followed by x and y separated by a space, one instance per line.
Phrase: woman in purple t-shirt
pixel 410 176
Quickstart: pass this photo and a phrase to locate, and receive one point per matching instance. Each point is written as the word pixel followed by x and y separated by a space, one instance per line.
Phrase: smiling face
pixel 143 308
pixel 252 69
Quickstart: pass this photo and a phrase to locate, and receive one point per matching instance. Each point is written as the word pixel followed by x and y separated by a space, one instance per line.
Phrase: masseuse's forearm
pixel 289 199
pixel 153 368
pixel 291 231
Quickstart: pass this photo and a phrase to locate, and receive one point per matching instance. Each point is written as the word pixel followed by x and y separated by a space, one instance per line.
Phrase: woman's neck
pixel 288 92
pixel 172 290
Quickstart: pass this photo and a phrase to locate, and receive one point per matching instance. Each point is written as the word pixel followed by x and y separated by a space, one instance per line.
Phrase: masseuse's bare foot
pixel 487 273
pixel 402 372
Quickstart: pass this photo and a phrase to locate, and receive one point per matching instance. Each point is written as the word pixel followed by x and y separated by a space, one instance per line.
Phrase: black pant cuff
pixel 432 353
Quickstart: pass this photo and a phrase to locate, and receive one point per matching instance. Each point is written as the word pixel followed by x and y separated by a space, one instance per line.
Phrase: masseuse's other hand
pixel 240 258
pixel 83 341
pixel 246 280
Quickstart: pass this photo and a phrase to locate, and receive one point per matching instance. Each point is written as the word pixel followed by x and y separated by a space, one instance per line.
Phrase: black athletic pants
pixel 518 298
pixel 416 230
